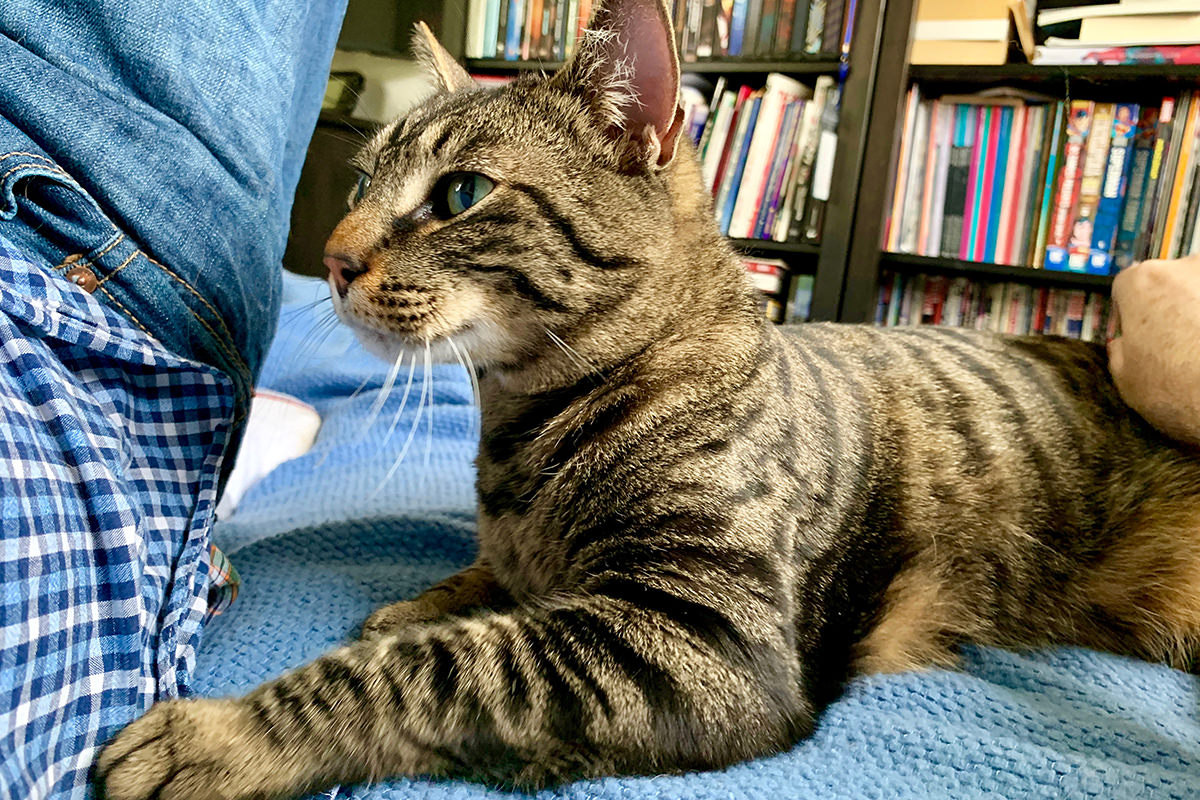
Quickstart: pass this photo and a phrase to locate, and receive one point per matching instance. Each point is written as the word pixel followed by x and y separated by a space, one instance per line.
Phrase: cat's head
pixel 504 218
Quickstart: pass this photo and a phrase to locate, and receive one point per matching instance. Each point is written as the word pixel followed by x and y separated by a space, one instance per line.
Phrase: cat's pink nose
pixel 343 269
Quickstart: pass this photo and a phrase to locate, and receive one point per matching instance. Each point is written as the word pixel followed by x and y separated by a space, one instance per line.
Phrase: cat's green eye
pixel 465 189
pixel 364 182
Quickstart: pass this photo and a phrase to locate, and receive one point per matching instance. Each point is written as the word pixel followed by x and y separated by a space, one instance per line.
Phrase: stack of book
pixel 1012 308
pixel 779 301
pixel 1125 32
pixel 523 30
pixel 1080 186
pixel 975 32
pixel 759 153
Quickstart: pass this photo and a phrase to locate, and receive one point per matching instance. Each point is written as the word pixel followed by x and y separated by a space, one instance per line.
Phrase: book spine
pixel 731 187
pixel 1049 180
pixel 957 177
pixel 785 148
pixel 1136 196
pixel 783 26
pixel 1177 213
pixel 708 30
pixel 1012 206
pixel 515 30
pixel 766 30
pixel 932 241
pixel 809 145
pixel 1163 178
pixel 1078 123
pixel 1094 163
pixel 925 217
pixel 910 208
pixel 533 29
pixel 1112 189
pixel 737 27
pixel 895 219
pixel 974 177
pixel 799 27
pixel 816 26
pixel 1018 240
pixel 753 23
pixel 1000 182
pixel 987 176
pixel 831 32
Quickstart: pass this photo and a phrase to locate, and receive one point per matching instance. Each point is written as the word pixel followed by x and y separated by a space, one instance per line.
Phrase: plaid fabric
pixel 109 453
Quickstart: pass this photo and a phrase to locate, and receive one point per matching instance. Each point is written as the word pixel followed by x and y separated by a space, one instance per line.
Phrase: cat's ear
pixel 627 70
pixel 440 65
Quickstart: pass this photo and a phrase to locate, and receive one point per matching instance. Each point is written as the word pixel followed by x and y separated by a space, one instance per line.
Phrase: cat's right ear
pixel 438 62
pixel 626 69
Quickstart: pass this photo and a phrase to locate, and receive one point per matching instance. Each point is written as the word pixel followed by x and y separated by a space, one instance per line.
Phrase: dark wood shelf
pixel 817 65
pixel 910 264
pixel 773 247
pixel 1052 78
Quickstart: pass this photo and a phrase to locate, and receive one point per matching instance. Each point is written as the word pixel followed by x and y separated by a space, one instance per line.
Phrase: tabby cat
pixel 694 527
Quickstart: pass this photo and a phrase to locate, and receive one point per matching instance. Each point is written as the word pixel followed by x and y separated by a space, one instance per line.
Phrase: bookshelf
pixel 868 263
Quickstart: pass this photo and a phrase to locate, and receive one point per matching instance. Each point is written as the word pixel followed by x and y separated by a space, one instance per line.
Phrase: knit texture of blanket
pixel 324 540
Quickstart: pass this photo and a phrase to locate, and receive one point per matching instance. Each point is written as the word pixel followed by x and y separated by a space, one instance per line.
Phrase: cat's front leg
pixel 473 587
pixel 629 679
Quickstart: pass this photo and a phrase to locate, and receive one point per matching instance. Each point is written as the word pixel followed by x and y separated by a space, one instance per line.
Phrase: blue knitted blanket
pixel 324 540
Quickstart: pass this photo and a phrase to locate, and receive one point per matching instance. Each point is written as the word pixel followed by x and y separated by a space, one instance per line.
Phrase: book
pixel 1091 177
pixel 911 202
pixel 957 176
pixel 1136 198
pixel 770 200
pixel 779 91
pixel 816 27
pixel 515 31
pixel 1113 188
pixel 937 176
pixel 1141 29
pixel 900 186
pixel 1067 198
pixel 731 181
pixel 1055 139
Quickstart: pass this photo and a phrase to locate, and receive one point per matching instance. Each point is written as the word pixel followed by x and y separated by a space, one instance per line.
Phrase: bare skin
pixel 1155 361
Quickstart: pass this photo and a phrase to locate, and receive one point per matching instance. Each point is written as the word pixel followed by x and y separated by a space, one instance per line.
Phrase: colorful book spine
pixel 1066 200
pixel 734 179
pixel 1113 189
pixel 1136 197
pixel 1090 183
pixel 957 177
pixel 1054 150
pixel 998 163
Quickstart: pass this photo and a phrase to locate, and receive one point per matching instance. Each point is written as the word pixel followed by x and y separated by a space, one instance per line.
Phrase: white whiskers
pixel 412 431
pixel 579 360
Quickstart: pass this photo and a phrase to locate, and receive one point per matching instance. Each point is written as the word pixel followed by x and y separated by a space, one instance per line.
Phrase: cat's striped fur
pixel 694 527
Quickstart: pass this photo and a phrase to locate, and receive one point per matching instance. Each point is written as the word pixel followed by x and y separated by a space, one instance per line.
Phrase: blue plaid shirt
pixel 110 448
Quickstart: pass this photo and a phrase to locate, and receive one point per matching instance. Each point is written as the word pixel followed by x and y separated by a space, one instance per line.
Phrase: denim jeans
pixel 161 140
pixel 149 151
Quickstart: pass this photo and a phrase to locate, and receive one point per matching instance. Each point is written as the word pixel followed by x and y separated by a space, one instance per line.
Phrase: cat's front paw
pixel 179 750
pixel 397 616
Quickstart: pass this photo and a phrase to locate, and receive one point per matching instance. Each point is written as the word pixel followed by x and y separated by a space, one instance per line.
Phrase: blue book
pixel 512 38
pixel 491 28
pixel 971 219
pixel 737 27
pixel 996 205
pixel 1114 190
pixel 739 165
